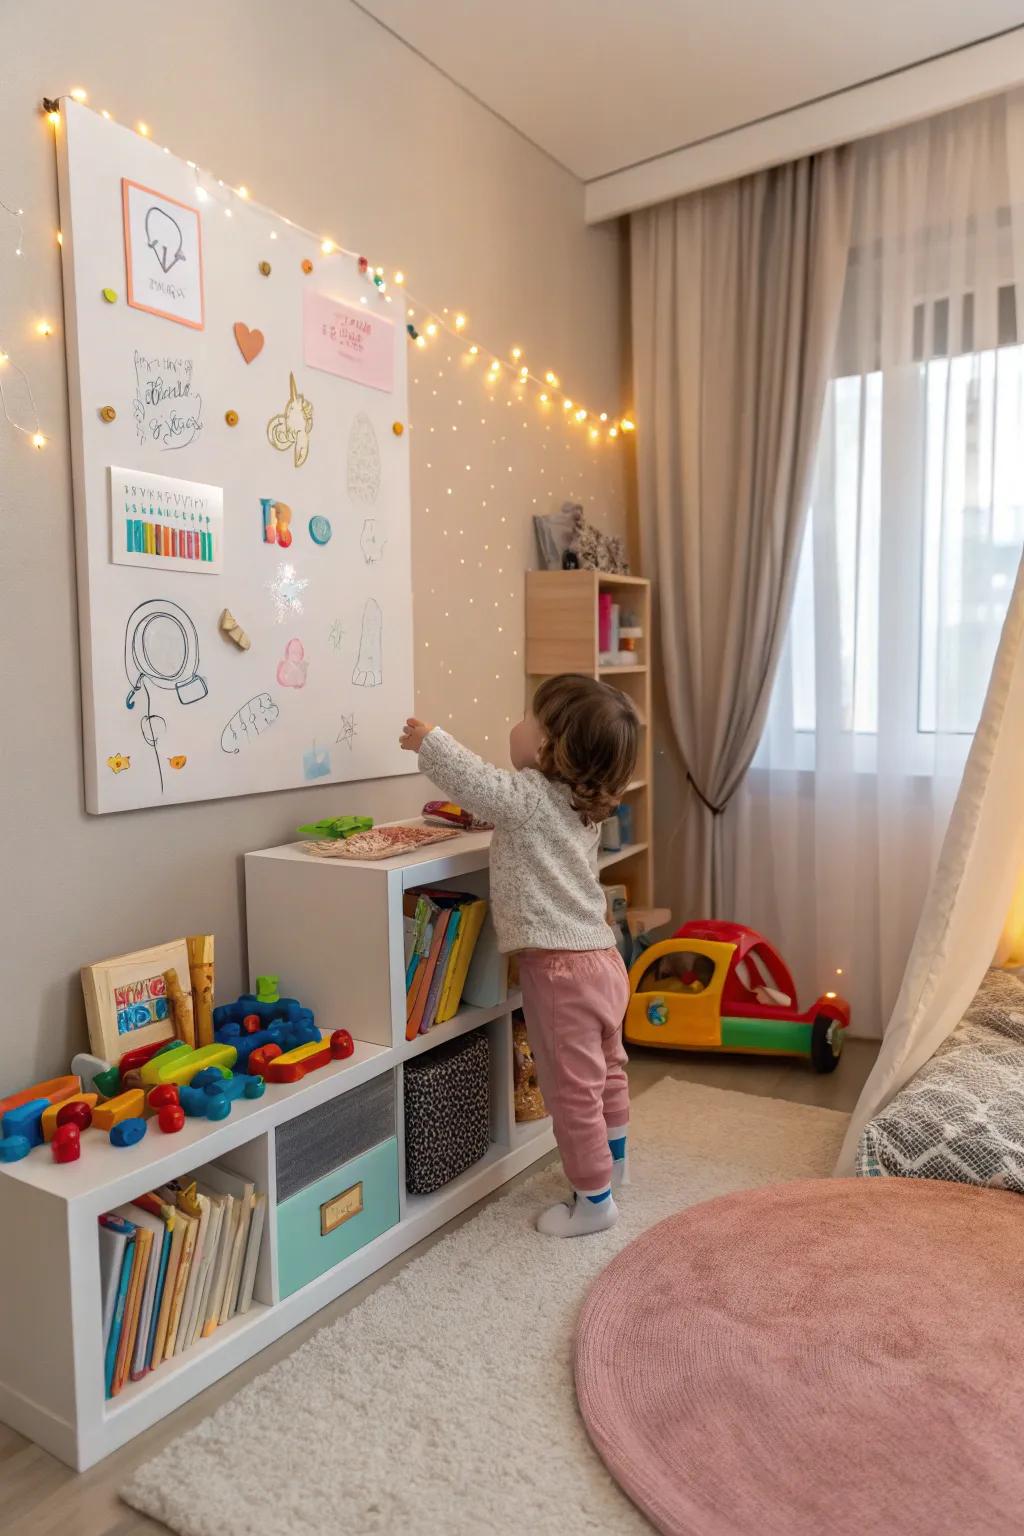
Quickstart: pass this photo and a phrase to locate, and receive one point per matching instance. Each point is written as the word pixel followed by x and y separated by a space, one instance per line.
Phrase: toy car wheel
pixel 826 1044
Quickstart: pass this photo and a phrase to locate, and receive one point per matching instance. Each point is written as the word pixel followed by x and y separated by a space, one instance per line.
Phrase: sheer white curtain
pixel 908 562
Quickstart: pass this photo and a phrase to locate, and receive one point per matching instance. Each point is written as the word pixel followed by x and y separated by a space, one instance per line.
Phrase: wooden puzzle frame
pixel 127 983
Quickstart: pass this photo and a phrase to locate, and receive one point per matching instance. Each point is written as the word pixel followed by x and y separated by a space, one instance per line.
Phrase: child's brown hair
pixel 590 741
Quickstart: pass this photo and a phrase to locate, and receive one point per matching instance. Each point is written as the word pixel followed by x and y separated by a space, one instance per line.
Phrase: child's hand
pixel 413 733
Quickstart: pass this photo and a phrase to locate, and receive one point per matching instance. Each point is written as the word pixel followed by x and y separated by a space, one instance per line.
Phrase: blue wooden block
pixel 218 1106
pixel 229 1031
pixel 193 1101
pixel 255 1087
pixel 210 1075
pixel 232 1087
pixel 26 1120
pixel 127 1132
pixel 13 1148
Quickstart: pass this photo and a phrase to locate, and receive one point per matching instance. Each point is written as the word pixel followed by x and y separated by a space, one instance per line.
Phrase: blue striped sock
pixel 599 1199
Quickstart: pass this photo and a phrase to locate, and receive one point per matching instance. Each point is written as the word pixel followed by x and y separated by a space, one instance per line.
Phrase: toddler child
pixel 573 755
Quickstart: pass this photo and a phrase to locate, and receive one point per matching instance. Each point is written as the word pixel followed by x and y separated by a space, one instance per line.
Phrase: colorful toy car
pixel 722 987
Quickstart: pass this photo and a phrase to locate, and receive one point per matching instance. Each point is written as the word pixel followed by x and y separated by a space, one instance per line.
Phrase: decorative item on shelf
pixel 200 970
pixel 336 827
pixel 554 532
pixel 611 835
pixel 570 561
pixel 126 1002
pixel 624 814
pixel 442 813
pixel 381 843
pixel 229 625
pixel 722 986
pixel 181 1007
pixel 596 551
pixel 529 1101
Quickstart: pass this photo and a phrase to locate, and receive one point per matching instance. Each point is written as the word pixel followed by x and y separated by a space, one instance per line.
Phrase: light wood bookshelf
pixel 340 951
pixel 562 636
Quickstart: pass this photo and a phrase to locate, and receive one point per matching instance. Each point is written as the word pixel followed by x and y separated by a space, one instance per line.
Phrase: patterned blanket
pixel 961 1117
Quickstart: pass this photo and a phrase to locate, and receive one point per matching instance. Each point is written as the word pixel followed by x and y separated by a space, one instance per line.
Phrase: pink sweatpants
pixel 574 1002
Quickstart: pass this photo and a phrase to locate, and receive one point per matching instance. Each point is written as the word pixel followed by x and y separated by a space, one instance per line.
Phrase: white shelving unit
pixel 332 931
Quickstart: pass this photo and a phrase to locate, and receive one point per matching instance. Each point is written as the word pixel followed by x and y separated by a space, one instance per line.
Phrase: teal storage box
pixel 337 1215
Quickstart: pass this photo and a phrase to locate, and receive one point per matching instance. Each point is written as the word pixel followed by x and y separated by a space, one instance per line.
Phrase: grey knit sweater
pixel 545 893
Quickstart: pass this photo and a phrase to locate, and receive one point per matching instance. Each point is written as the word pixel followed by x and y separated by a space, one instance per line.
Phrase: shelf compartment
pixel 605 860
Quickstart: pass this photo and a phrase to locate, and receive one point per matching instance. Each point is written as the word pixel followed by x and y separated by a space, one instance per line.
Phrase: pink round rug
pixel 816 1358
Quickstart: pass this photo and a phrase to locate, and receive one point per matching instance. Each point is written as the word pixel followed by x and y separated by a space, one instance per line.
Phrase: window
pixel 678 971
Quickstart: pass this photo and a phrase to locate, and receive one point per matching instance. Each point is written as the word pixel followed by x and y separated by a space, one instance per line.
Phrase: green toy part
pixel 335 827
pixel 267 990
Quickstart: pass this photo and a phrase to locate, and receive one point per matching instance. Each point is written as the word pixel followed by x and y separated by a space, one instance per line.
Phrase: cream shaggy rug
pixel 444 1403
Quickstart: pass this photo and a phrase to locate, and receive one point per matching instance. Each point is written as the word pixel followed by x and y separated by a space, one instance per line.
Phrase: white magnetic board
pixel 251 465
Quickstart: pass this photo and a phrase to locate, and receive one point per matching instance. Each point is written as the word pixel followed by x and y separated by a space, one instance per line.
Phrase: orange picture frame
pixel 131 252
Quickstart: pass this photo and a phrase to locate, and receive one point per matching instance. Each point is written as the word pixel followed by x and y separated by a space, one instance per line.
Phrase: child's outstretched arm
pixel 494 794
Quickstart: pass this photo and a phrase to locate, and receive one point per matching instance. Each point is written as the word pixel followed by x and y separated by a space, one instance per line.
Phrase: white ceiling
pixel 604 84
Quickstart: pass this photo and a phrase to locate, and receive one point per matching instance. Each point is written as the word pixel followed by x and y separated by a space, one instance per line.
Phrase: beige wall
pixel 330 120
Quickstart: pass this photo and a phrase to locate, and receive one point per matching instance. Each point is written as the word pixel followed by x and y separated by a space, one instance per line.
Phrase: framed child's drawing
pixel 126 1000
pixel 163 255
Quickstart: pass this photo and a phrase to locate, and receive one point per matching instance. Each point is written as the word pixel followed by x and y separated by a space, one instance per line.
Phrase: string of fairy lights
pixel 424 323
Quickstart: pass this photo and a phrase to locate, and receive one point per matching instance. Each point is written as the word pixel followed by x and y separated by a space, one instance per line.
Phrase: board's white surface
pixel 341 479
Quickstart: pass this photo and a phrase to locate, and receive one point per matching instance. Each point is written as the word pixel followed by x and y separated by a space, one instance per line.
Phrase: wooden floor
pixel 41 1497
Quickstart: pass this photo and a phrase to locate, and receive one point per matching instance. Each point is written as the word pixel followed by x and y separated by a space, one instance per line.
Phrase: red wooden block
pixel 171 1118
pixel 162 1095
pixel 251 1023
pixel 293 1071
pixel 133 1059
pixel 342 1044
pixel 66 1144
pixel 77 1113
pixel 258 1059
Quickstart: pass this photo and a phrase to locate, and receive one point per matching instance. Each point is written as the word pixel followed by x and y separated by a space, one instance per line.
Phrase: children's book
pixel 133 1304
pixel 222 1261
pixel 241 1190
pixel 487 980
pixel 190 1226
pixel 415 1019
pixel 441 969
pixel 471 924
pixel 137 1366
pixel 208 1263
pixel 114 1234
pixel 165 1213
pixel 195 1280
pixel 177 1232
pixel 120 1305
pixel 252 1252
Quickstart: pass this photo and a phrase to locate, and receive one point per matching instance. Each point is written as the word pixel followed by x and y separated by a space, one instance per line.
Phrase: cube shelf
pixel 332 931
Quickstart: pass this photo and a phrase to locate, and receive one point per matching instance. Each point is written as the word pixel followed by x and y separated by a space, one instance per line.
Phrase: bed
pixel 961 1118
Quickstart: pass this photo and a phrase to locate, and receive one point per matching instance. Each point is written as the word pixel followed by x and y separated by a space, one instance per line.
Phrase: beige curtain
pixel 735 301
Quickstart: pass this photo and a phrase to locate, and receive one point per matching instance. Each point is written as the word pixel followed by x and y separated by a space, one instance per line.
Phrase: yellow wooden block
pixel 126 1106
pixel 300 1052
pixel 178 1068
pixel 149 1069
pixel 49 1121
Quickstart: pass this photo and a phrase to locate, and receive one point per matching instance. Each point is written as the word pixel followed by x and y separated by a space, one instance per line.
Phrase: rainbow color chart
pixel 165 524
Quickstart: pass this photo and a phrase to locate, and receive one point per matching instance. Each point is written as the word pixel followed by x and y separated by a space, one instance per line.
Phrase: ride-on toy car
pixel 722 987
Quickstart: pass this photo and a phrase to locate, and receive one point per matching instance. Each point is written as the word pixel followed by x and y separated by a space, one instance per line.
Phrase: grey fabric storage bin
pixel 447 1112
pixel 313 1144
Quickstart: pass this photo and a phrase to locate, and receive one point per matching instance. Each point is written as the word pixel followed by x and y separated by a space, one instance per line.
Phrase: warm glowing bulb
pixel 517 353
pixel 830 994
pixel 202 194
pixel 44 328
pixel 604 415
pixel 78 94
pixel 551 378
pixel 243 191
pixel 144 129
pixel 3 358
pixel 594 432
pixel 543 399
pixel 613 431
pixel 105 114
pixel 327 246
pixel 627 425
pixel 379 271
pixel 54 118
pixel 839 970
pixel 581 415
pixel 566 405
pixel 399 278
pixel 60 238
pixel 460 321
pixel 431 329
pixel 524 373
pixel 38 440
pixel 474 349
pixel 421 341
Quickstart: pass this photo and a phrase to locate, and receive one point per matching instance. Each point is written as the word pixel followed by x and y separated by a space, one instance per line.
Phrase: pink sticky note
pixel 350 342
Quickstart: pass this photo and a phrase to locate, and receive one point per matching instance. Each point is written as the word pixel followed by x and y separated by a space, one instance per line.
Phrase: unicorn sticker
pixel 292 428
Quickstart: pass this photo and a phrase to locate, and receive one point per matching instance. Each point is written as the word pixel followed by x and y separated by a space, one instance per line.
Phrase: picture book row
pixel 175 1265
pixel 442 929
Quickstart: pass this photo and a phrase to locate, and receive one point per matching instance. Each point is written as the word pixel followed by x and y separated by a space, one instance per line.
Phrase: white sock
pixel 593 1211
pixel 618 1144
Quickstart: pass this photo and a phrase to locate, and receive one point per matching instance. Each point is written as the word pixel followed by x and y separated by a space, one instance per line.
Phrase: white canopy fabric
pixel 973 915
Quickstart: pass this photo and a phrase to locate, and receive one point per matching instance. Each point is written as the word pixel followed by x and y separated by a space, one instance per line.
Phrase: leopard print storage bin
pixel 447 1112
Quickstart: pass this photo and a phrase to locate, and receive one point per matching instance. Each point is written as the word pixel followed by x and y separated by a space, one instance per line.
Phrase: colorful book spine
pixel 117 1325
pixel 604 621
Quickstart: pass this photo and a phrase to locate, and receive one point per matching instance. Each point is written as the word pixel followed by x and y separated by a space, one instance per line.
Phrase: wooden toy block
pixel 181 1007
pixel 171 1118
pixel 14 1148
pixel 75 1112
pixel 194 1102
pixel 127 1106
pixel 51 1115
pixel 182 1068
pixel 258 1060
pixel 52 1090
pixel 293 1065
pixel 67 1144
pixel 88 1067
pixel 26 1120
pixel 127 1132
pixel 156 1064
pixel 132 1060
pixel 232 1087
pixel 108 1083
pixel 342 1044
pixel 163 1095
